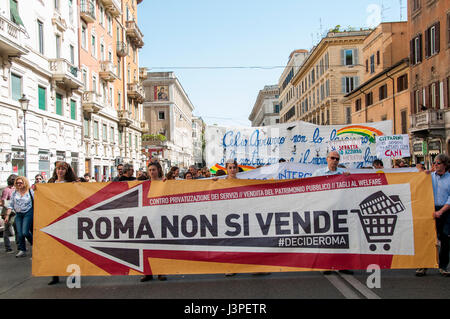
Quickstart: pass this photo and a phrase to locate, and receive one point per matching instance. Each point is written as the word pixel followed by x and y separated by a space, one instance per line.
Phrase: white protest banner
pixel 392 146
pixel 298 142
pixel 349 150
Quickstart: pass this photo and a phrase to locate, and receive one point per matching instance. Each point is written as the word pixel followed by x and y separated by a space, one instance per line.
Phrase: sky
pixel 224 52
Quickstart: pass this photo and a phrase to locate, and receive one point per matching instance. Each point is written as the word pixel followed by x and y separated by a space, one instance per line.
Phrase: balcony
pixel 136 92
pixel 144 127
pixel 108 71
pixel 113 7
pixel 124 118
pixel 142 74
pixel 12 42
pixel 87 11
pixel 428 120
pixel 92 102
pixel 121 49
pixel 65 74
pixel 135 35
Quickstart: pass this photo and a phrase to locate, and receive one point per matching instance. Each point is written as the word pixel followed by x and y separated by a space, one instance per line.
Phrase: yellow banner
pixel 237 226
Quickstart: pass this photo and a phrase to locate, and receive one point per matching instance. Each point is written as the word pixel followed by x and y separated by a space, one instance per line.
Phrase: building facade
pixel 39 61
pixel 112 98
pixel 429 43
pixel 266 110
pixel 287 92
pixel 383 93
pixel 332 69
pixel 168 112
pixel 198 140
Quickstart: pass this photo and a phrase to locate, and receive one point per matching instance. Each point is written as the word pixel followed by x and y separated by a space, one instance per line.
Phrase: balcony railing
pixel 124 118
pixel 121 49
pixel 65 74
pixel 87 11
pixel 429 119
pixel 135 91
pixel 134 33
pixel 92 102
pixel 11 38
pixel 108 71
pixel 113 7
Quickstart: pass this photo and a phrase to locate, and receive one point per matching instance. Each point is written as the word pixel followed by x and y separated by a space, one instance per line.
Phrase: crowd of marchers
pixel 17 199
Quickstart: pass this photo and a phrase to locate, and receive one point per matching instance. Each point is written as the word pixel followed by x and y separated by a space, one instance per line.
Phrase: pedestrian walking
pixel 127 173
pixel 4 202
pixel 63 173
pixel 119 173
pixel 155 173
pixel 440 179
pixel 22 204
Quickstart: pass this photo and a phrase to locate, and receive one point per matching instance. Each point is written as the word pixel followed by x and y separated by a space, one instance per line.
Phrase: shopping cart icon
pixel 378 217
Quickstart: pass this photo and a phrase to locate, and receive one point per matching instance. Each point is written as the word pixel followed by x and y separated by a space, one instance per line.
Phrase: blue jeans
pixel 24 223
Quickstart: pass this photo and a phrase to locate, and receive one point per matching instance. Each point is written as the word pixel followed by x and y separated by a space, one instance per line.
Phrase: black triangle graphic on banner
pixel 130 256
pixel 129 200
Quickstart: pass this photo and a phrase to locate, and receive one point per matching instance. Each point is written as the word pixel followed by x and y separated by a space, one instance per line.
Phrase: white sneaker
pixel 21 254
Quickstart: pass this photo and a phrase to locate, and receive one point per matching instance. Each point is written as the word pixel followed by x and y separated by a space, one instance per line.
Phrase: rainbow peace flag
pixel 366 131
pixel 216 167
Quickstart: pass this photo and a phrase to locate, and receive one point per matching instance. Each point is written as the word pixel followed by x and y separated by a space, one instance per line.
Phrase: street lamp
pixel 24 102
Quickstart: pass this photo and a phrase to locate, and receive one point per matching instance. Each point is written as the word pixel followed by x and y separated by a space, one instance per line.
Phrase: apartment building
pixel 198 140
pixel 168 112
pixel 40 68
pixel 266 110
pixel 112 111
pixel 332 69
pixel 383 93
pixel 287 92
pixel 429 43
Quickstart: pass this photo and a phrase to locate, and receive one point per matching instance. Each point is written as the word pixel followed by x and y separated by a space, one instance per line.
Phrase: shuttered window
pixel 14 10
pixel 16 87
pixel 42 95
pixel 73 109
pixel 59 104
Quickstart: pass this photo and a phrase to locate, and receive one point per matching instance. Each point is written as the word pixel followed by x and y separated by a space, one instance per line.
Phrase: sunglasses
pixel 437 163
pixel 334 158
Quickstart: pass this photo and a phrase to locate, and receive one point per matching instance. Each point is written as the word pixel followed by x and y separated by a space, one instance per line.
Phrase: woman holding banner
pixel 22 204
pixel 155 173
pixel 63 173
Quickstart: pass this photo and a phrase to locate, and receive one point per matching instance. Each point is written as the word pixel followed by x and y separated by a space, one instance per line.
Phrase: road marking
pixel 364 290
pixel 344 289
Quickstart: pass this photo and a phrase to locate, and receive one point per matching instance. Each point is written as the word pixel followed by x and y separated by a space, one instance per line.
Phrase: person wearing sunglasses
pixel 440 179
pixel 332 167
pixel 37 180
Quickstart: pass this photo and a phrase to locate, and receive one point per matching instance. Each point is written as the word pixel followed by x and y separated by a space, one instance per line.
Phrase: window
pixel 348 113
pixel 58 46
pixel 42 97
pixel 86 127
pixel 369 99
pixel 104 132
pixel 59 109
pixel 378 58
pixel 14 11
pixel 402 83
pixel 372 64
pixel 416 4
pixel 16 87
pixel 83 36
pixel 96 130
pixel 120 137
pixel 161 115
pixel 40 26
pixel 349 83
pixel 448 29
pixel 358 105
pixel 111 133
pixel 72 54
pixel 403 116
pixel 93 48
pixel 73 109
pixel 434 95
pixel 417 103
pixel 432 40
pixel 383 92
pixel 349 56
pixel 416 49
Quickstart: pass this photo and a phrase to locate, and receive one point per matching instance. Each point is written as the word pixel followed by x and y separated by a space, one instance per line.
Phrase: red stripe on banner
pixel 111 267
pixel 109 191
pixel 306 185
pixel 298 260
